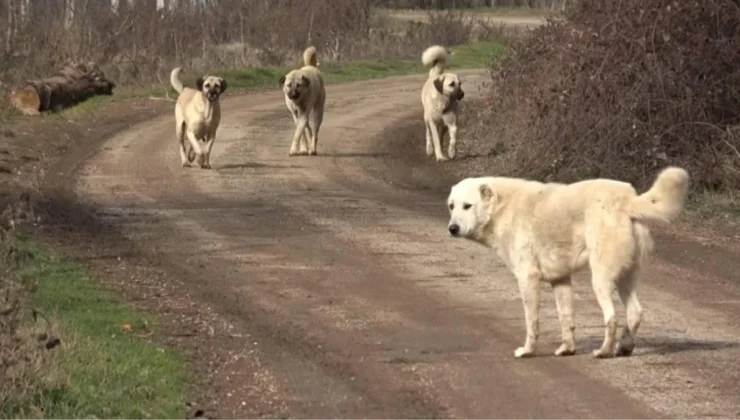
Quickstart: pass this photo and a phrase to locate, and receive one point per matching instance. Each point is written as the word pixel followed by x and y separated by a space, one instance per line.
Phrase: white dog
pixel 440 97
pixel 546 232
pixel 305 97
pixel 197 116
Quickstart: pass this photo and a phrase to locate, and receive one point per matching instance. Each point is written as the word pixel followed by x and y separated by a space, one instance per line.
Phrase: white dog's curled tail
pixel 309 57
pixel 175 79
pixel 436 58
pixel 664 201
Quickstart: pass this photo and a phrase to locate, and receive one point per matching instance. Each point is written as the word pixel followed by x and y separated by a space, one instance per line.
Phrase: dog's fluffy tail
pixel 175 80
pixel 309 57
pixel 436 58
pixel 664 201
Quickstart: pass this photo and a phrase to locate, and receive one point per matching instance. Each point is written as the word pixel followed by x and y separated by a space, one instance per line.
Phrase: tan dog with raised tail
pixel 546 232
pixel 197 116
pixel 305 97
pixel 440 97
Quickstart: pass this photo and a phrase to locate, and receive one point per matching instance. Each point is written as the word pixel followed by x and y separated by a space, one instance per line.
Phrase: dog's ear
pixel 282 81
pixel 224 85
pixel 199 83
pixel 486 193
pixel 305 81
pixel 439 84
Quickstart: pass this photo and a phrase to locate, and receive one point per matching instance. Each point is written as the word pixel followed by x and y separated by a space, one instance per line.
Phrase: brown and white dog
pixel 305 97
pixel 440 97
pixel 197 116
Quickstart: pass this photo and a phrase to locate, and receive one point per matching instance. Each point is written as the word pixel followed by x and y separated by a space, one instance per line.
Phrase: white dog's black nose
pixel 454 229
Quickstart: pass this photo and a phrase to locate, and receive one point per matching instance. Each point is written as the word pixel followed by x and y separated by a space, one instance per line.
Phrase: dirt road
pixel 341 294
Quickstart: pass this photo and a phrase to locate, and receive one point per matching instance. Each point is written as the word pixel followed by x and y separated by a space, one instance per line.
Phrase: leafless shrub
pixel 620 89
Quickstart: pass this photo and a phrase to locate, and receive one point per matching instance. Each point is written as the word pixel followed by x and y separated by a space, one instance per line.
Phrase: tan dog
pixel 305 97
pixel 440 97
pixel 546 232
pixel 197 116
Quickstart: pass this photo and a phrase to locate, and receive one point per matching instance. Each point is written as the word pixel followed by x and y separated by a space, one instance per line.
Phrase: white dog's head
pixel 211 86
pixel 449 84
pixel 294 84
pixel 470 202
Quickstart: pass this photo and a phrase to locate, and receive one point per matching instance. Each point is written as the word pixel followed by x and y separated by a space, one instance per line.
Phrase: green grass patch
pixel 474 55
pixel 104 368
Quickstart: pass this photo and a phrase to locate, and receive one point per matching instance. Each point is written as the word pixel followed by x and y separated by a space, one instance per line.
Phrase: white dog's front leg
pixel 209 146
pixel 306 140
pixel 529 287
pixel 434 128
pixel 452 149
pixel 196 148
pixel 301 124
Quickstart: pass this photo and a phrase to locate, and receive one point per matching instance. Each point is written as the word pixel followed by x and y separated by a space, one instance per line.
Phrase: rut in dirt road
pixel 354 302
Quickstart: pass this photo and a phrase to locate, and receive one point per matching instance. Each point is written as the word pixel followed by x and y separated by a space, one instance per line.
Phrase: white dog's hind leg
pixel 434 128
pixel 306 141
pixel 179 130
pixel 529 287
pixel 626 287
pixel 196 148
pixel 603 283
pixel 452 149
pixel 563 290
pixel 315 124
pixel 430 146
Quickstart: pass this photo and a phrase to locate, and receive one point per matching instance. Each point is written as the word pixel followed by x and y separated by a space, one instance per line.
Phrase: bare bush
pixel 620 89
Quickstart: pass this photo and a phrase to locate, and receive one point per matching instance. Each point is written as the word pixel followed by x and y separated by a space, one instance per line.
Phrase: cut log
pixel 72 84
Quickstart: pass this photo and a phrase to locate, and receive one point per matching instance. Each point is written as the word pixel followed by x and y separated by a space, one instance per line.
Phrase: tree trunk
pixel 73 84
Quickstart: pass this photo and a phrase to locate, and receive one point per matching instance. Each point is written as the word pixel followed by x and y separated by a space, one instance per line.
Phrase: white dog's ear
pixel 282 81
pixel 486 193
pixel 306 81
pixel 439 84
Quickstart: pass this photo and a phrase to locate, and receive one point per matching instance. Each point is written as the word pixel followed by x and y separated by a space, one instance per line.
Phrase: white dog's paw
pixel 452 152
pixel 441 159
pixel 185 164
pixel 603 354
pixel 293 153
pixel 566 349
pixel 312 153
pixel 523 352
pixel 430 150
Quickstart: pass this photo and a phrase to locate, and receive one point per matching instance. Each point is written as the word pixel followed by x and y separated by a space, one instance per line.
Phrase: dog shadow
pixel 255 165
pixel 651 346
pixel 355 155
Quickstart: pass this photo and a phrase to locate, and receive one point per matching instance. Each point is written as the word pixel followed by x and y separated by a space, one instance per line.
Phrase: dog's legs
pixel 627 293
pixel 196 148
pixel 209 146
pixel 180 131
pixel 529 287
pixel 306 140
pixel 452 148
pixel 563 289
pixel 301 124
pixel 603 283
pixel 436 140
pixel 430 146
pixel 315 123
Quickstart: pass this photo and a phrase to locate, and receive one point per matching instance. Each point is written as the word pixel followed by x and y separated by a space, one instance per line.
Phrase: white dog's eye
pixel 452 206
pixel 466 206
